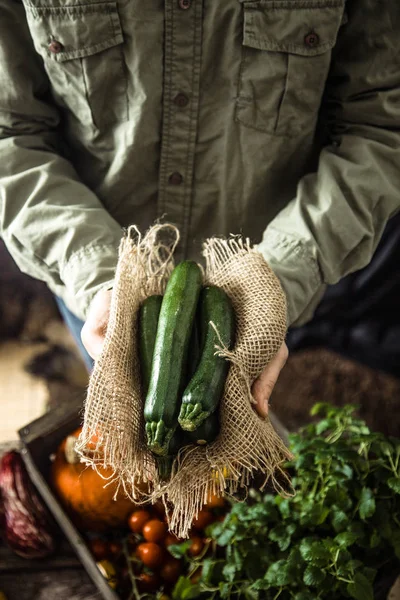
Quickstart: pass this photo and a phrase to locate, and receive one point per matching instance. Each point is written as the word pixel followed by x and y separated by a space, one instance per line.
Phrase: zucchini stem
pixel 192 416
pixel 158 437
pixel 164 465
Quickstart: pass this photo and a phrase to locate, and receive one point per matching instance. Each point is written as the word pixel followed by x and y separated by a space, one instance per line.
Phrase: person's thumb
pixel 265 383
pixel 94 330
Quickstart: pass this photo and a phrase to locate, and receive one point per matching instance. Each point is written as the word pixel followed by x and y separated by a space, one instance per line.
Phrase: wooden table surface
pixel 61 578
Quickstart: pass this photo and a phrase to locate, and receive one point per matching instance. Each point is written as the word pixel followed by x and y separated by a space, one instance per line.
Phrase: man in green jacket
pixel 277 119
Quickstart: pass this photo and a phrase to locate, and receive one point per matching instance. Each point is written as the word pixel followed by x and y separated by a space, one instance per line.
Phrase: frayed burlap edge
pixel 113 431
pixel 114 404
pixel 247 445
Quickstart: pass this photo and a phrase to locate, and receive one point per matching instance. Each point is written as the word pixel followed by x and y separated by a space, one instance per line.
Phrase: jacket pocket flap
pixel 307 28
pixel 75 31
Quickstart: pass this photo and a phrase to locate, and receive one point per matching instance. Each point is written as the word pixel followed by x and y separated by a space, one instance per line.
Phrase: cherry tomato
pixel 99 548
pixel 138 519
pixel 150 554
pixel 215 501
pixel 196 546
pixel 115 548
pixel 203 519
pixel 171 570
pixel 154 531
pixel 171 539
pixel 148 582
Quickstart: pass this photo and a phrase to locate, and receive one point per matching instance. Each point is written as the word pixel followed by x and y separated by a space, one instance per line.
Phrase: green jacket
pixel 277 119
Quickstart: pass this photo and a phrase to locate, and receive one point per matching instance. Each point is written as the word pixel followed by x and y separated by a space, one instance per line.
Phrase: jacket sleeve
pixel 55 228
pixel 334 224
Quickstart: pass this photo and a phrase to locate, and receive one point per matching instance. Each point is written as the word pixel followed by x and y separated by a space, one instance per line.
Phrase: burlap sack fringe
pixel 113 429
pixel 247 444
pixel 114 407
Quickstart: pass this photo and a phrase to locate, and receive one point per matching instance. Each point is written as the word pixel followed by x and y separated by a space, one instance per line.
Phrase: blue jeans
pixel 75 326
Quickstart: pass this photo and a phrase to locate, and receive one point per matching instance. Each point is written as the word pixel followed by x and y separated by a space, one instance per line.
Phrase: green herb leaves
pixel 330 539
pixel 367 503
pixel 360 588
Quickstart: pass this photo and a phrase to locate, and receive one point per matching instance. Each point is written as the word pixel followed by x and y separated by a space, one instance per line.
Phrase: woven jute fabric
pixel 113 430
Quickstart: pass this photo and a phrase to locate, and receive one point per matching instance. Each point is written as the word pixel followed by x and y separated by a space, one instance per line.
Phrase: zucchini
pixel 194 352
pixel 206 433
pixel 203 393
pixel 174 330
pixel 164 463
pixel 148 321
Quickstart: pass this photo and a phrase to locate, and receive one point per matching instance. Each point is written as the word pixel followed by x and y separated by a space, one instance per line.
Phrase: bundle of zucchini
pixel 183 377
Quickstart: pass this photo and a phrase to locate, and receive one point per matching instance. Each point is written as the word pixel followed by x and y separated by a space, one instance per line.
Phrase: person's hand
pixel 264 384
pixel 94 330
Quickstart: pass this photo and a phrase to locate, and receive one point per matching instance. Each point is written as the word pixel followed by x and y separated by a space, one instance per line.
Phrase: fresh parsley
pixel 329 540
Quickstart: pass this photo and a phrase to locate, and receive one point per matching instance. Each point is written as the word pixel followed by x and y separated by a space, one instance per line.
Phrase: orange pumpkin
pixel 81 491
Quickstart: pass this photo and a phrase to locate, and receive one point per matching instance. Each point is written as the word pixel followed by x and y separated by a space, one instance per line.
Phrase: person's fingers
pixel 94 330
pixel 264 384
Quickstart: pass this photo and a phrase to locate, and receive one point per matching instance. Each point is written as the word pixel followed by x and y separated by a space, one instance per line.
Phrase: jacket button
pixel 311 40
pixel 175 178
pixel 184 4
pixel 181 100
pixel 55 47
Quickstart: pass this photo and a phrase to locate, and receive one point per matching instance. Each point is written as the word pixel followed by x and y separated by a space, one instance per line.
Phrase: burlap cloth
pixel 113 431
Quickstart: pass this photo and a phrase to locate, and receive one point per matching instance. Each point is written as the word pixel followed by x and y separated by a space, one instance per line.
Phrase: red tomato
pixel 138 519
pixel 154 531
pixel 171 570
pixel 196 546
pixel 148 582
pixel 150 554
pixel 99 548
pixel 203 519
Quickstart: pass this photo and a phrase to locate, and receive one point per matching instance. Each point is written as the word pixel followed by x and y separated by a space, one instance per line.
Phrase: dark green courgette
pixel 148 320
pixel 194 352
pixel 203 393
pixel 206 433
pixel 164 463
pixel 174 330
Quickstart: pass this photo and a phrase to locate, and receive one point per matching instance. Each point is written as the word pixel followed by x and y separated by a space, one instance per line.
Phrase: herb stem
pixel 135 592
pixel 343 579
pixel 394 469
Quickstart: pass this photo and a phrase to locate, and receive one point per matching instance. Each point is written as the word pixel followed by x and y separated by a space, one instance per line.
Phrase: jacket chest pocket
pixel 81 46
pixel 286 56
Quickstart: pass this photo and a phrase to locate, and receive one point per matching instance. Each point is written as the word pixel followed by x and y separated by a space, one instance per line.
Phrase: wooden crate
pixel 40 440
